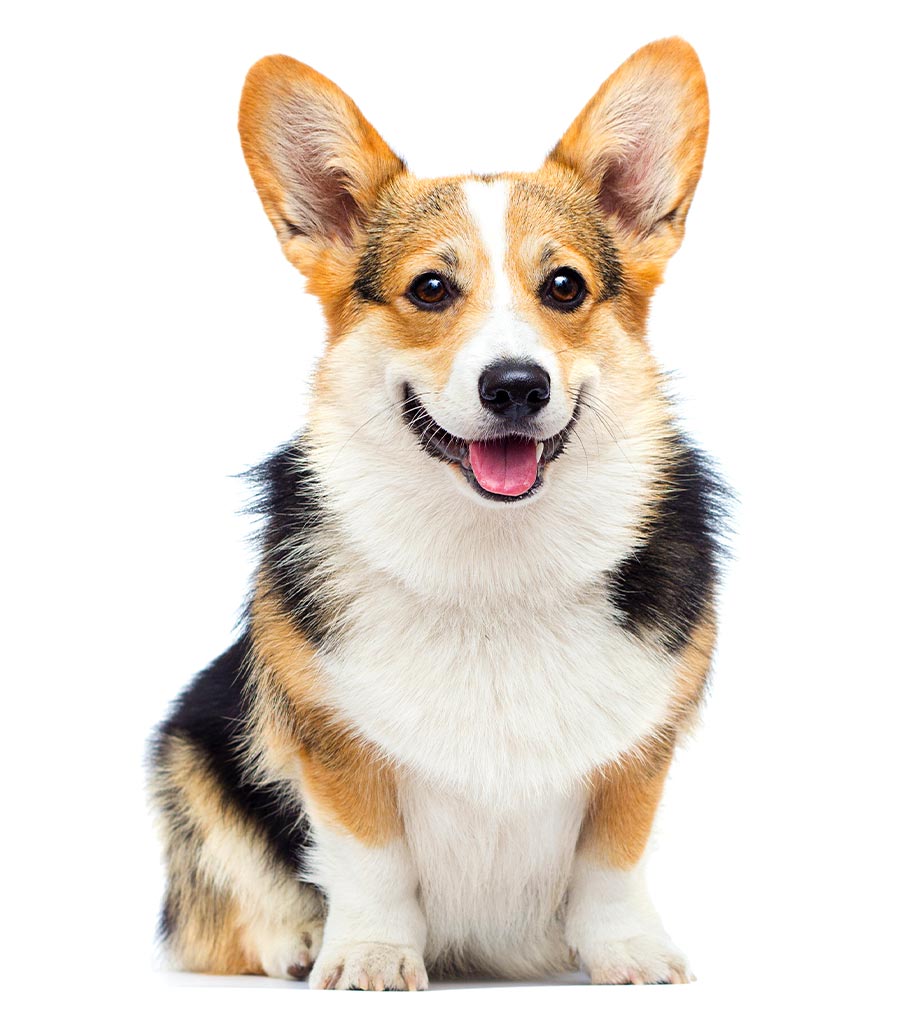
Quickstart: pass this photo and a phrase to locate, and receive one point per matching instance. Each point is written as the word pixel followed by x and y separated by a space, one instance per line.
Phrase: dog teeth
pixel 540 448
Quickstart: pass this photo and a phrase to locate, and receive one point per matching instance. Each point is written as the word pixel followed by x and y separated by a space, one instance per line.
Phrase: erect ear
pixel 640 141
pixel 316 161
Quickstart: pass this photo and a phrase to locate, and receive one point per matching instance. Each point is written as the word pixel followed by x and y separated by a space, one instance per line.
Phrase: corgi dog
pixel 484 612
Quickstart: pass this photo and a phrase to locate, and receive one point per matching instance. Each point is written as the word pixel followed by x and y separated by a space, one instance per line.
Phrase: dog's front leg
pixel 611 921
pixel 375 930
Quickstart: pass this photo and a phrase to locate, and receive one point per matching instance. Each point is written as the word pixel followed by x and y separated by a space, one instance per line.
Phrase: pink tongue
pixel 507 466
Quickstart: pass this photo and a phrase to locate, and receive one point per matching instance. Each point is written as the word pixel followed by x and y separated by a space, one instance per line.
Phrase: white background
pixel 155 343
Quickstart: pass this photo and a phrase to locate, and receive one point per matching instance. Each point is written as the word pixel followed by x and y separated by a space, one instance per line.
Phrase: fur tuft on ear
pixel 316 161
pixel 640 141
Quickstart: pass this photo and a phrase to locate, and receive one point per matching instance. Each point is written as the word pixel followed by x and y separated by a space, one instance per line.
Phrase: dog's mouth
pixel 504 468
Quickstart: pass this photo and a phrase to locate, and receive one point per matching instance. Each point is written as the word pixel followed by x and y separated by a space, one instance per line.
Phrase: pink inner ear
pixel 317 200
pixel 341 211
pixel 634 185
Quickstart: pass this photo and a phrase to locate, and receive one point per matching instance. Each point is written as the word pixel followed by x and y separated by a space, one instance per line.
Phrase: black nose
pixel 514 389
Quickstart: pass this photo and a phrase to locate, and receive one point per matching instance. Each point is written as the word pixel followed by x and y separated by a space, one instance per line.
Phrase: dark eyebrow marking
pixel 367 287
pixel 589 235
pixel 392 225
pixel 448 257
pixel 609 266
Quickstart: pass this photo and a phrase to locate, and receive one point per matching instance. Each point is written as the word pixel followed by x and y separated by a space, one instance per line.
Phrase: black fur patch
pixel 667 583
pixel 291 502
pixel 610 268
pixel 212 714
pixel 168 916
pixel 366 288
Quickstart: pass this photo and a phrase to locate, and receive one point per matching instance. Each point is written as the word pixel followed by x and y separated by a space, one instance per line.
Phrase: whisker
pixel 593 425
pixel 392 407
pixel 601 418
pixel 609 411
pixel 584 449
pixel 605 418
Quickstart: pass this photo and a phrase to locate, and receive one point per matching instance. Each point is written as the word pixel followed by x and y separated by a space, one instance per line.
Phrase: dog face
pixel 483 327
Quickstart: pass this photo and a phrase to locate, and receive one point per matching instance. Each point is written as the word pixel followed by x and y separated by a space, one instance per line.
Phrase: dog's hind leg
pixel 234 900
pixel 232 906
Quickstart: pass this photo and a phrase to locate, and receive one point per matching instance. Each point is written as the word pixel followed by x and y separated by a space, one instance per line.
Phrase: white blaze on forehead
pixel 504 333
pixel 487 202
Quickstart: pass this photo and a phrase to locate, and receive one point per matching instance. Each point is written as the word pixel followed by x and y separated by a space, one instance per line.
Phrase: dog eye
pixel 430 291
pixel 564 289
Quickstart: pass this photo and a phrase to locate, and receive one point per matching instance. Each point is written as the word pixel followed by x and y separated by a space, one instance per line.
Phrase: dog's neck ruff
pixel 401 514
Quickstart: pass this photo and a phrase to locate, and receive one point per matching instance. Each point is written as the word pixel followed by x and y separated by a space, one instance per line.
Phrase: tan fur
pixel 695 665
pixel 553 209
pixel 624 799
pixel 655 102
pixel 276 89
pixel 280 92
pixel 625 795
pixel 346 779
pixel 348 782
pixel 219 873
pixel 605 134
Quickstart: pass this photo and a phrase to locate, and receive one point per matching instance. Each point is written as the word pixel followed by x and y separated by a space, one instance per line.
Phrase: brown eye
pixel 564 289
pixel 430 290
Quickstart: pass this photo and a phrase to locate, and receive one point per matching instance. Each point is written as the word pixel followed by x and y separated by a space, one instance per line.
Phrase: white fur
pixel 374 926
pixel 493 879
pixel 516 700
pixel 487 203
pixel 282 946
pixel 613 925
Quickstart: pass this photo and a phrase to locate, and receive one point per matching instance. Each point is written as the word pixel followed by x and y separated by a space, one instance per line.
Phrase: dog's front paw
pixel 639 960
pixel 370 966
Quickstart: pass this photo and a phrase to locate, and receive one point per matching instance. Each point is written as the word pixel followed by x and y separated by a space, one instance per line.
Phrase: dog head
pixel 483 330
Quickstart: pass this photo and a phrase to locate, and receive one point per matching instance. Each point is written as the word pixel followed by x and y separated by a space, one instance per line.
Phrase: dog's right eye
pixel 564 289
pixel 430 291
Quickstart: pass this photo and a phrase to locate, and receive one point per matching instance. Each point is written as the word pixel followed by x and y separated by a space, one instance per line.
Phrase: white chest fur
pixel 501 704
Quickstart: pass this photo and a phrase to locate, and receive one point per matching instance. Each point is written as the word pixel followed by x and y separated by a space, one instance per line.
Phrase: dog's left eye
pixel 430 291
pixel 564 289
